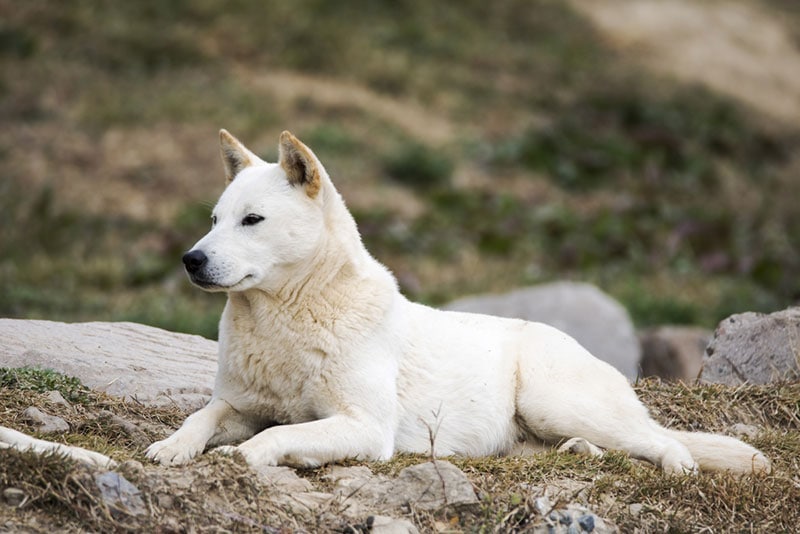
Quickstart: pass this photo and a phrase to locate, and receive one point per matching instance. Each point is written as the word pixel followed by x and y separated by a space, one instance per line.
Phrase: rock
pixel 348 476
pixel 380 524
pixel 283 479
pixel 47 424
pixel 305 502
pixel 126 360
pixel 586 522
pixel 673 352
pixel 14 496
pixel 594 319
pixel 56 397
pixel 134 433
pixel 542 505
pixel 430 486
pixel 121 497
pixel 754 348
pixel 426 486
pixel 572 519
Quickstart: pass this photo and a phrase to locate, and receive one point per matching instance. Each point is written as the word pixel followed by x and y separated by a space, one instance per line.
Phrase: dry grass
pixel 221 494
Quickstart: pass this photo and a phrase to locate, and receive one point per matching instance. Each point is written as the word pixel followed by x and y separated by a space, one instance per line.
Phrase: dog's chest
pixel 272 379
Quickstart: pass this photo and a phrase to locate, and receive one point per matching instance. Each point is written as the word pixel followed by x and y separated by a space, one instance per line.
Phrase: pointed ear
pixel 300 164
pixel 235 156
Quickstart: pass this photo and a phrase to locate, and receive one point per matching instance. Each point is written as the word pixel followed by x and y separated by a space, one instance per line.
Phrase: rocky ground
pixel 546 491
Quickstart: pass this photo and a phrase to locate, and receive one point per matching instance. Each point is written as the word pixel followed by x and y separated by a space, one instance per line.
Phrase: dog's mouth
pixel 209 285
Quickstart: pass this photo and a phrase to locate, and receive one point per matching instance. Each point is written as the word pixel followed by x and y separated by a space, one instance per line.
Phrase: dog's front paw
pixel 175 450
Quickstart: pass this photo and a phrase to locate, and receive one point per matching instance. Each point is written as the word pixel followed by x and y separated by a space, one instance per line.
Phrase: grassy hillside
pixel 481 146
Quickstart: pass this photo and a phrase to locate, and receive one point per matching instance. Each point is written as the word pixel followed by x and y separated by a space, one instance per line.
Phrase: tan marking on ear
pixel 299 163
pixel 235 156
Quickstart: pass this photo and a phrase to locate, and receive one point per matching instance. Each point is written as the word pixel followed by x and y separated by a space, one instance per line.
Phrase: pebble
pixel 121 497
pixel 56 398
pixel 586 522
pixel 542 505
pixel 14 496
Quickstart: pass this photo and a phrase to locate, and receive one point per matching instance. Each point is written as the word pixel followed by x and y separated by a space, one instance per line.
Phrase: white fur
pixel 11 439
pixel 321 358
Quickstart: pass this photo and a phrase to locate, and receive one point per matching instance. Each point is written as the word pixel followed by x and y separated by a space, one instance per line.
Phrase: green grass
pixel 44 380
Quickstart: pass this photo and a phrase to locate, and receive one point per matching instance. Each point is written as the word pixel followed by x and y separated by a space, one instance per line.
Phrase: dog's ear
pixel 299 163
pixel 235 156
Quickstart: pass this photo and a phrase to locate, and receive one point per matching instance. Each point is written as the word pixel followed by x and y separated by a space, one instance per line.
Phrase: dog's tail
pixel 714 452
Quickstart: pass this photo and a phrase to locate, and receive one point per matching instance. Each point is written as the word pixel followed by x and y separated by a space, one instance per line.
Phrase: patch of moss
pixel 44 380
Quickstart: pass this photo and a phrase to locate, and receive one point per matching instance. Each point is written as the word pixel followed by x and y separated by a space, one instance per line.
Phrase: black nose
pixel 194 260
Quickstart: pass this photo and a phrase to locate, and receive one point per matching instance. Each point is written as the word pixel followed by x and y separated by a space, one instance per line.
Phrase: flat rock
pixel 754 348
pixel 45 423
pixel 283 479
pixel 596 320
pixel 127 360
pixel 426 486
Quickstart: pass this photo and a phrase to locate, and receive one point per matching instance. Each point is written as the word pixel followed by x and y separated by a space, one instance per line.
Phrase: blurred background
pixel 647 147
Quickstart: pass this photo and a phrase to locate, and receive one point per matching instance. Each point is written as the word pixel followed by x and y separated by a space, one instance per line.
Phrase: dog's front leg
pixel 318 442
pixel 217 422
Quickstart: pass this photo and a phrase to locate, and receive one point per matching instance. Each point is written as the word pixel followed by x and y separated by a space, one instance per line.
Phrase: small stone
pixel 56 397
pixel 283 479
pixel 121 497
pixel 573 529
pixel 542 505
pixel 389 525
pixel 47 424
pixel 14 496
pixel 586 522
pixel 565 519
pixel 635 509
pixel 165 501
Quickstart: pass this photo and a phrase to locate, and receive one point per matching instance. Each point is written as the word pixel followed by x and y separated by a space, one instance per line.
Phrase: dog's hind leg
pixel 563 392
pixel 11 439
pixel 215 424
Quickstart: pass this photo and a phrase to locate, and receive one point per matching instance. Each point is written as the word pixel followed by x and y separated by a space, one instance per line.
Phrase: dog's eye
pixel 252 219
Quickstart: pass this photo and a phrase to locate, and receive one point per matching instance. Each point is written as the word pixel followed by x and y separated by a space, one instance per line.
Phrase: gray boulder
pixel 754 348
pixel 127 360
pixel 674 352
pixel 593 318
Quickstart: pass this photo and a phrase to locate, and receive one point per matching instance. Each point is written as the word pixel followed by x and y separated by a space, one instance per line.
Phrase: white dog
pixel 321 358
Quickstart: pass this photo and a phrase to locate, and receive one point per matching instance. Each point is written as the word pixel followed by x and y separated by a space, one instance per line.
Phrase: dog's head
pixel 268 220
